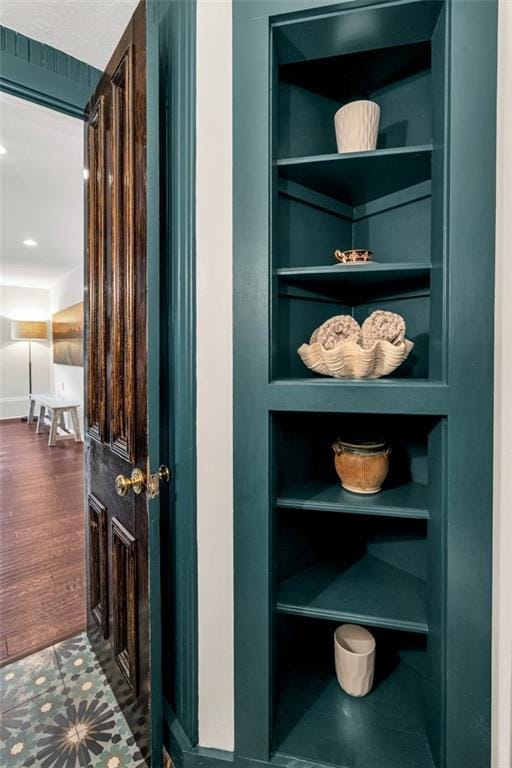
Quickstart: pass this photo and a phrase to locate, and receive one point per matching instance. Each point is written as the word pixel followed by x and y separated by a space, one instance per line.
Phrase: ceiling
pixel 41 190
pixel 41 176
pixel 86 29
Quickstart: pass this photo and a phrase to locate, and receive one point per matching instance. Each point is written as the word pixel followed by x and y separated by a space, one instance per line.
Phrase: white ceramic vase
pixel 354 654
pixel 357 126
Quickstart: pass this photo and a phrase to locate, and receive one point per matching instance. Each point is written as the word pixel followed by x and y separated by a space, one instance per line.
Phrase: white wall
pixel 502 607
pixel 214 426
pixel 214 374
pixel 68 380
pixel 22 304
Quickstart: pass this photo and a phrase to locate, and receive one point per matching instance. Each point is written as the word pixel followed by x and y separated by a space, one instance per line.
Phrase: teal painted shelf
pixel 356 283
pixel 343 78
pixel 329 35
pixel 398 396
pixel 408 500
pixel 358 177
pixel 367 591
pixel 357 274
pixel 319 723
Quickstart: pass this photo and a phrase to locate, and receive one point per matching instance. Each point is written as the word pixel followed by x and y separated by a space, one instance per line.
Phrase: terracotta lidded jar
pixel 362 465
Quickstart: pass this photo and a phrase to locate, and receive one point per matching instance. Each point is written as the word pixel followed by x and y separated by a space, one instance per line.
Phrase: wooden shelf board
pixel 357 177
pixel 323 394
pixel 368 591
pixel 318 722
pixel 409 500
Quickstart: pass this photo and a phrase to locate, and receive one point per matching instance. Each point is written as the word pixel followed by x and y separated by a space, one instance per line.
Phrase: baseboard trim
pixel 183 754
pixel 13 407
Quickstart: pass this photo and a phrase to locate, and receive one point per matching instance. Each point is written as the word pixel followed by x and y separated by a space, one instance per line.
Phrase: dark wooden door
pixel 120 536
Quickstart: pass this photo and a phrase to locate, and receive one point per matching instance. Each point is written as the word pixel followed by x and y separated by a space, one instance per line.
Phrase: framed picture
pixel 68 335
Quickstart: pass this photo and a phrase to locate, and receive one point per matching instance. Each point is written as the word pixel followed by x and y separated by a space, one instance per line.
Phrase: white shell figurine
pixel 357 126
pixel 337 350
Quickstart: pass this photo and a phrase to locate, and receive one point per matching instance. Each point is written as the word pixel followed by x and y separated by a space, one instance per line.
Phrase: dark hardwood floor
pixel 42 547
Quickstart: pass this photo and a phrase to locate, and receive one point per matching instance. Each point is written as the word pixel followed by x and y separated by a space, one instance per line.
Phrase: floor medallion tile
pixel 60 712
pixel 59 740
pixel 29 677
pixel 26 728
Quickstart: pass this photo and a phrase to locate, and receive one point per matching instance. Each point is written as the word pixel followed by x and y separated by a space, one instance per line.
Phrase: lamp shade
pixel 29 330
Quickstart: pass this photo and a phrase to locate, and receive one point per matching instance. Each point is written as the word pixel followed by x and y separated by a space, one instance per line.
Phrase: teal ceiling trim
pixel 42 74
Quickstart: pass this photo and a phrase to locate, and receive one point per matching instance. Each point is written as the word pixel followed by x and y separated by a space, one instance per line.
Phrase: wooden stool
pixel 54 408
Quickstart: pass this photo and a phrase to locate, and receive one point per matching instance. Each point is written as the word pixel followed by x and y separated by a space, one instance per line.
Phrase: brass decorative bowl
pixel 354 256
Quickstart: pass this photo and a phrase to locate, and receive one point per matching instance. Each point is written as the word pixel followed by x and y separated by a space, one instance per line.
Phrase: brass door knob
pixel 136 481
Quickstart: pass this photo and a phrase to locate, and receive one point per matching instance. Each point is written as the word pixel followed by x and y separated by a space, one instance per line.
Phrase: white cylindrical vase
pixel 357 126
pixel 354 654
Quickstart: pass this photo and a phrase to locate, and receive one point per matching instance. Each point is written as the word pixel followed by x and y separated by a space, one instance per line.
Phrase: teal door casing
pixel 37 72
pixel 442 78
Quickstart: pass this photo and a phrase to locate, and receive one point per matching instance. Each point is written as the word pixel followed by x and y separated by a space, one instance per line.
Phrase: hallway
pixel 42 592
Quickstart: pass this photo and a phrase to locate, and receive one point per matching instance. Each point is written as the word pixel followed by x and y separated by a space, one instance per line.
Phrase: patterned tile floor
pixel 57 711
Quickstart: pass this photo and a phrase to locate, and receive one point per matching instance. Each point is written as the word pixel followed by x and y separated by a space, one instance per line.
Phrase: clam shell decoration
pixel 369 356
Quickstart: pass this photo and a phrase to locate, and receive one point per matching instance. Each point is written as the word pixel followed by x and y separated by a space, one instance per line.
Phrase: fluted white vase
pixel 354 654
pixel 357 126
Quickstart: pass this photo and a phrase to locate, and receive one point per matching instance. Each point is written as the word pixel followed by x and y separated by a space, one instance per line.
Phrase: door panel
pixel 123 258
pixel 118 295
pixel 98 563
pixel 96 231
pixel 124 601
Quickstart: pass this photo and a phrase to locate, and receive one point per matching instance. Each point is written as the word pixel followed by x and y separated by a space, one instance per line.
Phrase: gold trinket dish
pixel 354 256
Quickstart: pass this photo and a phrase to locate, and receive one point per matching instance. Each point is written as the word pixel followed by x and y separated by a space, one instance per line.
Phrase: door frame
pixel 44 75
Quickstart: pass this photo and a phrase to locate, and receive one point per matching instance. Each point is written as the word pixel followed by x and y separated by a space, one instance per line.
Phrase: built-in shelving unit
pixel 311 555
pixel 368 563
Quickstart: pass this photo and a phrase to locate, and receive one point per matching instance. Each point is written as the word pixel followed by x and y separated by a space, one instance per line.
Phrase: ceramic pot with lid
pixel 362 465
